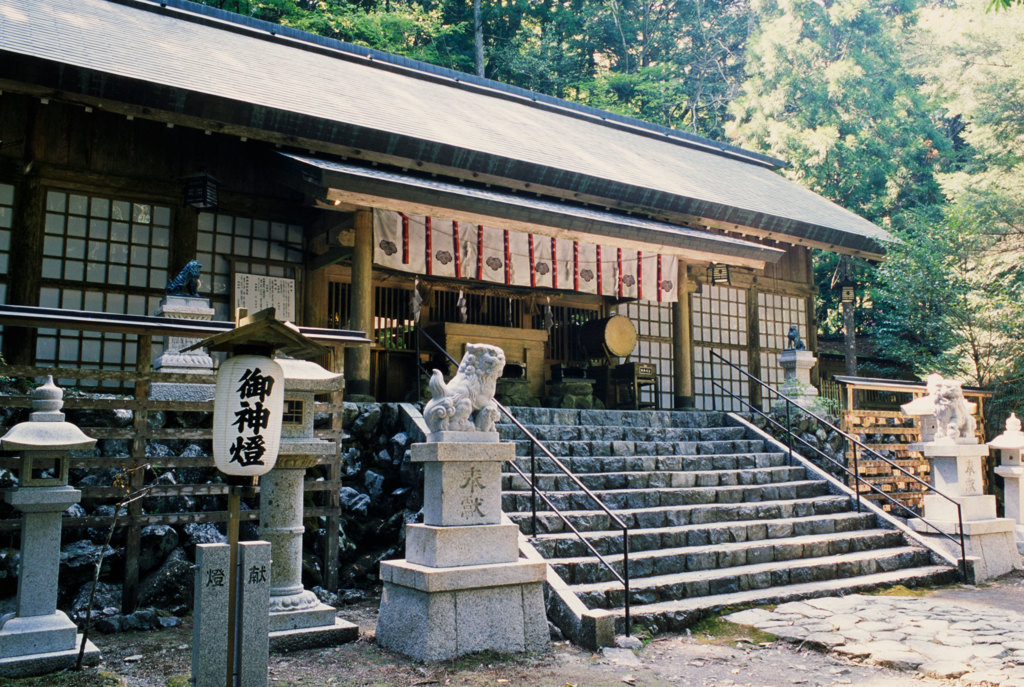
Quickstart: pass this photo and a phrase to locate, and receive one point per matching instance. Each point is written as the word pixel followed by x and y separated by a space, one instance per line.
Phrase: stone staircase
pixel 716 519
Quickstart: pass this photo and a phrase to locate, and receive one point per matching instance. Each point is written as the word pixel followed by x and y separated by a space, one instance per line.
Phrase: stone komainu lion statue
pixel 953 419
pixel 187 281
pixel 466 403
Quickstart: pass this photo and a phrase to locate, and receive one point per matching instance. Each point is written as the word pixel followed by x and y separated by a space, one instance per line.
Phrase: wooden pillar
pixel 849 330
pixel 754 346
pixel 357 358
pixel 26 265
pixel 682 336
pixel 184 239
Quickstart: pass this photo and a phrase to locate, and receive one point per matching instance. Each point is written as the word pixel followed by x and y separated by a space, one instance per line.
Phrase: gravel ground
pixel 713 654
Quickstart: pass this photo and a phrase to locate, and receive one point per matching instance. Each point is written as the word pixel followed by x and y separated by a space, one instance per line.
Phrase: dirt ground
pixel 714 653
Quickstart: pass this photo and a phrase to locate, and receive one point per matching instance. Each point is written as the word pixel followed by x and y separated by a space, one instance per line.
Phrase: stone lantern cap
pixel 303 375
pixel 1012 438
pixel 46 428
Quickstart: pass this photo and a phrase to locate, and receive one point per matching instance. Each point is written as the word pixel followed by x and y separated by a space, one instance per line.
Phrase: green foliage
pixel 944 302
pixel 826 91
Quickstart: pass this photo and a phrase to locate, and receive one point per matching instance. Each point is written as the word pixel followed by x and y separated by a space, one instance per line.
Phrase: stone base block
pixel 436 626
pixel 979 507
pixel 338 632
pixel 444 547
pixel 991 542
pixel 427 579
pixel 163 391
pixel 465 451
pixel 318 615
pixel 36 634
pixel 31 665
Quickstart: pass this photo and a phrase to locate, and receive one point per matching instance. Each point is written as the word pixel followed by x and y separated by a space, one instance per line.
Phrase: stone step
pixel 616 499
pixel 643 448
pixel 594 520
pixel 687 585
pixel 548 433
pixel 567 544
pixel 638 463
pixel 622 418
pixel 677 615
pixel 661 562
pixel 647 480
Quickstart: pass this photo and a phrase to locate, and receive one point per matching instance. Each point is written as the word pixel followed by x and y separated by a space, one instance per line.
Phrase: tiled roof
pixel 180 60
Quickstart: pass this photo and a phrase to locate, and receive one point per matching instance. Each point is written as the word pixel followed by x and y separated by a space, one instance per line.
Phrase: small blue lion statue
pixel 187 281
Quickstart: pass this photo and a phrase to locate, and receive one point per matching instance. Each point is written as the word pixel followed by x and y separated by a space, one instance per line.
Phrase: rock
pixel 349 413
pixel 157 542
pixel 170 586
pixel 201 533
pixel 108 595
pixel 114 448
pixel 108 625
pixel 351 596
pixel 98 478
pixel 157 451
pixel 75 510
pixel 354 502
pixel 168 504
pixel 329 598
pixel 78 563
pixel 168 621
pixel 366 424
pixel 156 419
pixel 555 633
pixel 374 483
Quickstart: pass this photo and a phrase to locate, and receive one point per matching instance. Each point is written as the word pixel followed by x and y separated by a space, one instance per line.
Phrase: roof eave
pixel 130 96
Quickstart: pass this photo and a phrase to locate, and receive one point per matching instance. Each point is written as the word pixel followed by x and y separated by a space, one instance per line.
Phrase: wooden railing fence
pixel 321 486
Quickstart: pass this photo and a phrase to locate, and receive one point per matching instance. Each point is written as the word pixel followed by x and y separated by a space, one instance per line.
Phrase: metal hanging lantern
pixel 847 292
pixel 247 415
pixel 201 191
pixel 718 273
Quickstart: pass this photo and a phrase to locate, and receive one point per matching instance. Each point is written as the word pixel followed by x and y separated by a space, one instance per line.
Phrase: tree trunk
pixel 478 38
pixel 849 333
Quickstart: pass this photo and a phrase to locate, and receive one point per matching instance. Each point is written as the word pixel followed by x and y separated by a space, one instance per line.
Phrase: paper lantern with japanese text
pixel 247 412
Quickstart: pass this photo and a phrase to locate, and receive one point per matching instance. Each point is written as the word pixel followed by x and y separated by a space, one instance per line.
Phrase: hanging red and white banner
pixel 459 250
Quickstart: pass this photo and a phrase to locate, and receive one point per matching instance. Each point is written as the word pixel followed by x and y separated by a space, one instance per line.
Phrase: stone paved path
pixel 936 637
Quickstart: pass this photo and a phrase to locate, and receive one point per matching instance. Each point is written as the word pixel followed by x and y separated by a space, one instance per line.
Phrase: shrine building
pixel 349 188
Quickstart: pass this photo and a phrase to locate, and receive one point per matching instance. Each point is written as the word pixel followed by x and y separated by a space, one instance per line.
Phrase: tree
pixel 947 302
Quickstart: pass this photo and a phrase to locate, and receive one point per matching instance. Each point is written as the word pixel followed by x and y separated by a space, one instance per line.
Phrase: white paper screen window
pixel 775 313
pixel 719 324
pixel 101 254
pixel 653 322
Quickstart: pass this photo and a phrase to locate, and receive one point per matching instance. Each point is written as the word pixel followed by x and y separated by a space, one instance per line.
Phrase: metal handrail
pixel 855 444
pixel 535 491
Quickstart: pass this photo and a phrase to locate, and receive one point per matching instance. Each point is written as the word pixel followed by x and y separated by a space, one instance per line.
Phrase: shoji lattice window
pixel 719 323
pixel 775 314
pixel 254 246
pixel 654 344
pixel 104 254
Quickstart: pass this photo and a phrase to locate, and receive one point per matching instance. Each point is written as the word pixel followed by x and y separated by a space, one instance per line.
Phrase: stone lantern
pixel 37 638
pixel 1010 445
pixel 298 619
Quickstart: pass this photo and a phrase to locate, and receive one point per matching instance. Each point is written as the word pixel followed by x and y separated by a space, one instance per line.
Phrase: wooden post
pixel 234 510
pixel 333 497
pixel 25 268
pixel 184 237
pixel 682 357
pixel 849 330
pixel 357 358
pixel 754 346
pixel 130 593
